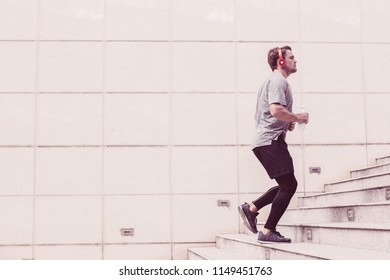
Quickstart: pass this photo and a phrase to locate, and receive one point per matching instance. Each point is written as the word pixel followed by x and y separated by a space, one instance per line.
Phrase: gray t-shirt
pixel 275 90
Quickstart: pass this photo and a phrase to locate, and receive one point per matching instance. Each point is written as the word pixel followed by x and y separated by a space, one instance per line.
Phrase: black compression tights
pixel 280 197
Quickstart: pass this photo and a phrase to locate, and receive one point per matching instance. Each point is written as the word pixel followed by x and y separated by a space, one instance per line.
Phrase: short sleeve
pixel 277 89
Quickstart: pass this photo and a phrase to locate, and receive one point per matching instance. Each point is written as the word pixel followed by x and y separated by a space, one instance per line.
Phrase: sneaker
pixel 249 217
pixel 272 237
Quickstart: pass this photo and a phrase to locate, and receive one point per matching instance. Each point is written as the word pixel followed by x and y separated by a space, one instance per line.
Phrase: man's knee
pixel 288 183
pixel 294 184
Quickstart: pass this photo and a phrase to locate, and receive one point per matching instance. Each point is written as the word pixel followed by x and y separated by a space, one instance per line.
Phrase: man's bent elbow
pixel 275 110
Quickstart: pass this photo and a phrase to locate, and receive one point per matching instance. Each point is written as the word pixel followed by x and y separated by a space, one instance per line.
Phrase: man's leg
pixel 287 187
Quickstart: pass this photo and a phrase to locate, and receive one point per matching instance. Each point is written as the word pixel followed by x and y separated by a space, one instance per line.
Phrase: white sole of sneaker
pixel 273 242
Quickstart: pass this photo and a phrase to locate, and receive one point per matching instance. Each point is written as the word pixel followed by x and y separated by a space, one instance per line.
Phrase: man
pixel 274 117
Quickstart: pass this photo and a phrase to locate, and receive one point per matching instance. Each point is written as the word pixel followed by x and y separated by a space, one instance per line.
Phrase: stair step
pixel 248 246
pixel 372 170
pixel 368 195
pixel 213 253
pixel 383 160
pixel 352 235
pixel 378 180
pixel 363 212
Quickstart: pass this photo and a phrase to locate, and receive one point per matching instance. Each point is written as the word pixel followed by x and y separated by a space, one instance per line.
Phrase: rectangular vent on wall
pixel 127 231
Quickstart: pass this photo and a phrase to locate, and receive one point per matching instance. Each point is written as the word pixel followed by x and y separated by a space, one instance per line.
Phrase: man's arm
pixel 281 113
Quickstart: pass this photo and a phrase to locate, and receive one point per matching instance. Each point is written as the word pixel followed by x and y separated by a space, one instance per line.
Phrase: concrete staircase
pixel 350 220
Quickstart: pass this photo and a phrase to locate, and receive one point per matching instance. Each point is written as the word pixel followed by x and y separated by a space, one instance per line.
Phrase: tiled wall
pixel 139 114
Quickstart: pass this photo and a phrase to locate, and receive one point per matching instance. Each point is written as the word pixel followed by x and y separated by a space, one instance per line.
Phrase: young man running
pixel 274 117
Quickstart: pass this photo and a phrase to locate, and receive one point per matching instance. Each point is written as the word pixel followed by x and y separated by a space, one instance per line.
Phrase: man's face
pixel 291 63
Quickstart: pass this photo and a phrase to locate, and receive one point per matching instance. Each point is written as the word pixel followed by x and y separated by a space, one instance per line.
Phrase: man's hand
pixel 303 117
pixel 291 126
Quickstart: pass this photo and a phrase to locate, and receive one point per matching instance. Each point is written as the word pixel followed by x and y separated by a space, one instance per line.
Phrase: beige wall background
pixel 139 114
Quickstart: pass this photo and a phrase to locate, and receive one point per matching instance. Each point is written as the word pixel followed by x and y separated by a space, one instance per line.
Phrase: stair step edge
pixel 357 178
pixel 345 191
pixel 320 251
pixel 213 253
pixel 381 158
pixel 339 225
pixel 369 167
pixel 340 206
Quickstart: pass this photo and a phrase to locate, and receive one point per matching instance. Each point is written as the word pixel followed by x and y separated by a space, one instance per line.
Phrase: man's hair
pixel 273 56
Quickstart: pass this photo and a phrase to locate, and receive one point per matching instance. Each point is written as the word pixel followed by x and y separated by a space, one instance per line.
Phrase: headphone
pixel 282 61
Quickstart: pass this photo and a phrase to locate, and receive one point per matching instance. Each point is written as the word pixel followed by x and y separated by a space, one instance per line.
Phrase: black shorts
pixel 275 158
